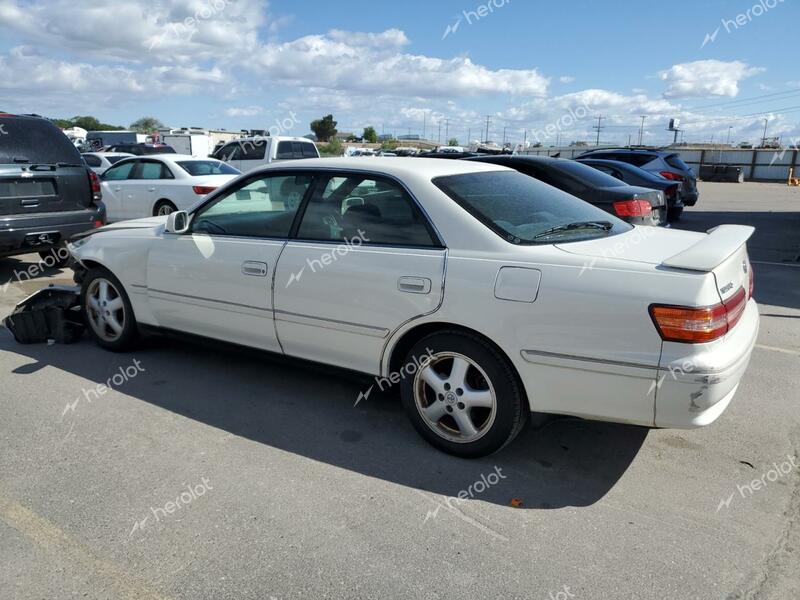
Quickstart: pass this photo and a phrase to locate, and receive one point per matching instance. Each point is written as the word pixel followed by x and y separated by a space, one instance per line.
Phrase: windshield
pixel 523 210
pixel 196 168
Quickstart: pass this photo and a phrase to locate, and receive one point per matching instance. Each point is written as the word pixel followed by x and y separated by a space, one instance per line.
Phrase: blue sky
pixel 396 66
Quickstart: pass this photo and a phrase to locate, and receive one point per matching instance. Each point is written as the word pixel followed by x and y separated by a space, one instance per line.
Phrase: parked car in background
pixel 159 184
pixel 482 293
pixel 47 193
pixel 637 205
pixel 633 175
pixel 250 153
pixel 100 161
pixel 141 149
pixel 663 162
pixel 453 155
pixel 97 140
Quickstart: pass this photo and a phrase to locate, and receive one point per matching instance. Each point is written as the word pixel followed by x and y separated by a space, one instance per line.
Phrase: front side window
pixel 522 210
pixel 230 152
pixel 377 211
pixel 263 207
pixel 253 149
pixel 119 172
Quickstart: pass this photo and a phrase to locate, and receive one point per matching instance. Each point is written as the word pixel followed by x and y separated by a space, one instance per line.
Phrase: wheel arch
pixel 400 348
pixel 161 201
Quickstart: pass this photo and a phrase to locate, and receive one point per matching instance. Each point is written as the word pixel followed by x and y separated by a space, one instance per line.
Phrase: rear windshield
pixel 35 141
pixel 113 159
pixel 586 173
pixel 635 159
pixel 296 150
pixel 196 168
pixel 521 209
pixel 675 161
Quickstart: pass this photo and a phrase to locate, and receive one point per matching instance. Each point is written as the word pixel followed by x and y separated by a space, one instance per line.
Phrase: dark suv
pixel 663 162
pixel 47 193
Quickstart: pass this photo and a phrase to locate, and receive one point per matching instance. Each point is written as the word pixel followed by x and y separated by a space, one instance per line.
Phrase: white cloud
pixel 566 79
pixel 706 78
pixel 373 62
pixel 247 111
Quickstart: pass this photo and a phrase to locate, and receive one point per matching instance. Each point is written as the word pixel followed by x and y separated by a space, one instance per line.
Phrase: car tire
pixel 56 257
pixel 674 214
pixel 163 207
pixel 463 395
pixel 107 311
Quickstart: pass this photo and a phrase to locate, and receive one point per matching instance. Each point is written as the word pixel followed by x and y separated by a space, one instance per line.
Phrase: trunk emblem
pixel 727 287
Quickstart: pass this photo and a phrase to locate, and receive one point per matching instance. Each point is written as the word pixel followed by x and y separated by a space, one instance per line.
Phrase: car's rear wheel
pixel 464 397
pixel 674 213
pixel 107 311
pixel 163 208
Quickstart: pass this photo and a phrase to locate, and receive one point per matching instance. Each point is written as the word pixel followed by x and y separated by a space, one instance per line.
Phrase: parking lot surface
pixel 190 470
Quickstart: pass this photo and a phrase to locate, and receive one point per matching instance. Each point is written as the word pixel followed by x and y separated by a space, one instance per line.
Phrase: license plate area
pixel 42 238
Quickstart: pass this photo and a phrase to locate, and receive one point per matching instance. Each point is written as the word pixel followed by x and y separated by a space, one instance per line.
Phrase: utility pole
pixel 764 139
pixel 439 135
pixel 729 134
pixel 598 127
pixel 524 139
pixel 469 136
pixel 641 130
pixel 488 121
pixel 629 140
pixel 447 129
pixel 504 135
pixel 424 123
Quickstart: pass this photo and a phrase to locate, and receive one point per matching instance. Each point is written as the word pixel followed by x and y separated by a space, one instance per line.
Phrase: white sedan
pixel 160 184
pixel 479 293
pixel 99 162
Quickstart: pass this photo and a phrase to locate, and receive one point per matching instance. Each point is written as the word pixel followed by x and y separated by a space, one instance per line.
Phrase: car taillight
pixel 698 325
pixel 203 189
pixel 633 208
pixel 97 223
pixel 671 176
pixel 94 183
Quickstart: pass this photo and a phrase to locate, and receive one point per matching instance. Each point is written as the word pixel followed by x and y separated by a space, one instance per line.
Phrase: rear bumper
pixel 690 198
pixel 696 383
pixel 19 234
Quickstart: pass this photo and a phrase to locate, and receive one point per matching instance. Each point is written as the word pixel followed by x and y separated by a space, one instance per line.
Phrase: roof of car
pixel 397 166
pixel 263 138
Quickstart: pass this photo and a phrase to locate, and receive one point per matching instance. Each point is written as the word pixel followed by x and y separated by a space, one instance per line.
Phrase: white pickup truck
pixel 249 153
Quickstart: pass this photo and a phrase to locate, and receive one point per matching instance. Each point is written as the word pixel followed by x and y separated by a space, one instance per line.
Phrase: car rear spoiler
pixel 707 254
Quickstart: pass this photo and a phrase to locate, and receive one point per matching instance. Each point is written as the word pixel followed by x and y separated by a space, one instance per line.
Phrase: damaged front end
pixel 52 313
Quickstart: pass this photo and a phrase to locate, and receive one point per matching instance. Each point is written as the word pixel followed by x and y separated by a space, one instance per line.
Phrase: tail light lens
pixel 671 176
pixel 94 183
pixel 202 190
pixel 633 208
pixel 698 325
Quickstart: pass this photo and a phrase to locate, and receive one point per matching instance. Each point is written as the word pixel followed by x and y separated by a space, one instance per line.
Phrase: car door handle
pixel 29 203
pixel 254 268
pixel 414 285
pixel 118 189
pixel 151 189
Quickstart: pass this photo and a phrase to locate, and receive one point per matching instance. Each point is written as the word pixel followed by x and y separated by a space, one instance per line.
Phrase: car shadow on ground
pixel 25 270
pixel 776 240
pixel 278 402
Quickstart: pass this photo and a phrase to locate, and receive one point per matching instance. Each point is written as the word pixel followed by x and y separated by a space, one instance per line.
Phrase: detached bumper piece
pixel 52 313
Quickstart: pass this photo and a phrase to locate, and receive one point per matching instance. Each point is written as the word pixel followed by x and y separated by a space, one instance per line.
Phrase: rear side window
pixel 152 170
pixel 289 150
pixel 675 161
pixel 635 159
pixel 92 160
pixel 34 141
pixel 375 211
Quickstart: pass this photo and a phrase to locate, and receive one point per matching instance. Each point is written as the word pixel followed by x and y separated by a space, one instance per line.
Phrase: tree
pixel 370 135
pixel 324 128
pixel 146 125
pixel 452 142
pixel 332 148
pixel 89 124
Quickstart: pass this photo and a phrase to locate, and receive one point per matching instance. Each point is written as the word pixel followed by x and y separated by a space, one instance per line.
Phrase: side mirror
pixel 177 222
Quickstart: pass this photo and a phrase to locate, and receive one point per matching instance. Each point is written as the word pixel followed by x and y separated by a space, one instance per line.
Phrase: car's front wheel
pixel 107 311
pixel 464 397
pixel 163 207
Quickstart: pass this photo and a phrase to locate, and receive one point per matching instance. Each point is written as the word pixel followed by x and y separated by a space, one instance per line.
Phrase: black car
pixel 637 205
pixel 47 193
pixel 666 163
pixel 635 176
pixel 141 149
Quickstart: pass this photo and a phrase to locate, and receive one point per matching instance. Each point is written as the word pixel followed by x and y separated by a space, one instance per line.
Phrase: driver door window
pixel 119 172
pixel 264 207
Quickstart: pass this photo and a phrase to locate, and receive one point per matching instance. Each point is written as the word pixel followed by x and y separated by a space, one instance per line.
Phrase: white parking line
pixel 776 349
